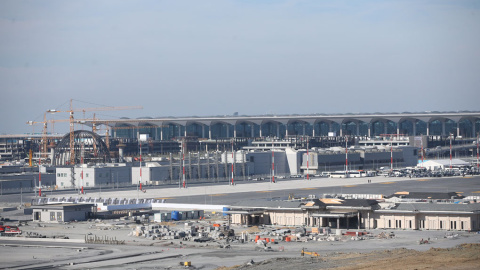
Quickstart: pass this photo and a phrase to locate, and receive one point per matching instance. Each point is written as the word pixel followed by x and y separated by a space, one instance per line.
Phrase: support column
pixel 228 130
pixel 161 133
pixel 313 130
pixel 203 131
pixel 252 130
pixel 368 220
pixel 234 132
pixel 428 128
pixel 210 133
pixel 358 220
pixel 369 129
pixel 341 131
pixel 358 128
pixel 185 132
pixel 414 122
pixel 385 129
pixel 304 129
pixel 474 132
pixel 278 130
pixel 443 128
pixel 398 130
pixel 261 130
pixel 338 223
pixel 458 128
pixel 179 131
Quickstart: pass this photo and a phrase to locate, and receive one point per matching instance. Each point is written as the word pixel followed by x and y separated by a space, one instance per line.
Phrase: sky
pixel 209 58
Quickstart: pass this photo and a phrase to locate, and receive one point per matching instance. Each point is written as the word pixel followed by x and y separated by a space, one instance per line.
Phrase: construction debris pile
pixel 264 237
pixel 197 232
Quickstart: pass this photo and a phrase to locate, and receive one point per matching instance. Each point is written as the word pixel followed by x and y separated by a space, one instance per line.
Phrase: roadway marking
pixel 264 191
pixel 350 186
pixel 467 177
pixel 423 180
pixel 476 192
pixel 387 183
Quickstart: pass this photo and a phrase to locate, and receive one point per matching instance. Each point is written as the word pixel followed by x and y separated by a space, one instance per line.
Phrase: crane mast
pixel 71 119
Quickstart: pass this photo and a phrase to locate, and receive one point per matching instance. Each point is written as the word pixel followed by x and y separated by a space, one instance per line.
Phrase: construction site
pixel 216 193
pixel 136 241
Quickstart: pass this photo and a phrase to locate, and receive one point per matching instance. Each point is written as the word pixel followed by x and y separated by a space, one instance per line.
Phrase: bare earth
pixel 464 256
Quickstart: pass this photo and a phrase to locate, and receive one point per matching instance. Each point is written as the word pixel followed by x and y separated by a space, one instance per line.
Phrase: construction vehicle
pixel 312 253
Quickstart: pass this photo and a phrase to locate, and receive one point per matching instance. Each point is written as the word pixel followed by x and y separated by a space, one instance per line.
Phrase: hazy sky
pixel 181 58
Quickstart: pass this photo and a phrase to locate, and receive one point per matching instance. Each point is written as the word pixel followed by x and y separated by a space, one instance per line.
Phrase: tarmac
pixel 249 186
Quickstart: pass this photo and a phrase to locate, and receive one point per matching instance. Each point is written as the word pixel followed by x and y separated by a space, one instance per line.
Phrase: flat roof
pixel 63 206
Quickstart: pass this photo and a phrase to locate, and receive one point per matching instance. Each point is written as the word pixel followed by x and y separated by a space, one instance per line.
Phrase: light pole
pixel 346 156
pixel 308 159
pixel 391 155
pixel 477 151
pixel 450 150
pixel 273 167
pixel 233 164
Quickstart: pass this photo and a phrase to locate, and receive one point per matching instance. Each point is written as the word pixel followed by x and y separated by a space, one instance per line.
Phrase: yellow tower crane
pixel 72 129
pixel 43 141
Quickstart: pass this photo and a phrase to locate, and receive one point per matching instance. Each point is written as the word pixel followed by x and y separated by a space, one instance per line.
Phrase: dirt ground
pixel 465 256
